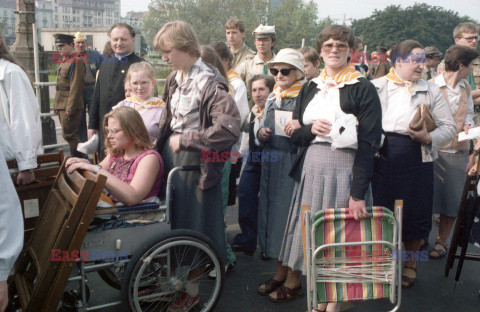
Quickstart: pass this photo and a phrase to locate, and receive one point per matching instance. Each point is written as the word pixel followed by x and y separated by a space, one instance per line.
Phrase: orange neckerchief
pixel 231 74
pixel 260 112
pixel 150 103
pixel 290 92
pixel 393 77
pixel 345 75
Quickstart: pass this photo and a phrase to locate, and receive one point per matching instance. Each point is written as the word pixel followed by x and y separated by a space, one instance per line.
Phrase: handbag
pixel 423 114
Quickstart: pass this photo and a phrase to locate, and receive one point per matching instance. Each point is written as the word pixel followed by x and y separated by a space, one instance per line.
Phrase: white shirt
pixel 240 97
pixel 20 126
pixel 453 95
pixel 399 110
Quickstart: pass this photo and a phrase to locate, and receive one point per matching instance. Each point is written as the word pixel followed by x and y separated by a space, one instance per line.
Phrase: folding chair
pixel 349 260
pixel 62 225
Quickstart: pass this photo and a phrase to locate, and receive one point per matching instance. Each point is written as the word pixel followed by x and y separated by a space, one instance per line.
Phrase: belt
pixel 63 88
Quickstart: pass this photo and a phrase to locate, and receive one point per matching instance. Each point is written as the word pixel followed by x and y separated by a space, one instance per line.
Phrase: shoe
pixel 438 253
pixel 408 282
pixel 285 294
pixel 423 244
pixel 183 303
pixel 241 248
pixel 270 286
pixel 228 269
pixel 264 257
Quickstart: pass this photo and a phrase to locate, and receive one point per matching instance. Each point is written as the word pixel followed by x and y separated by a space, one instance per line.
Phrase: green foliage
pixel 293 19
pixel 429 25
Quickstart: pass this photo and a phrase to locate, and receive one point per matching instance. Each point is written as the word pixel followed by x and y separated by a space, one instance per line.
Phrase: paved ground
pixel 432 291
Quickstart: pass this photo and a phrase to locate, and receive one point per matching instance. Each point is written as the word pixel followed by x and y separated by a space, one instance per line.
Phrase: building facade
pixel 8 19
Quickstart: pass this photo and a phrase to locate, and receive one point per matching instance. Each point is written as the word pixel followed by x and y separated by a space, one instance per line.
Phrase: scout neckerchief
pixel 259 112
pixel 393 77
pixel 289 93
pixel 231 74
pixel 345 75
pixel 150 103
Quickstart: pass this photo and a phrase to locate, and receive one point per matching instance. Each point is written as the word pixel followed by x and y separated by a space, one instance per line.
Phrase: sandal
pixel 285 294
pixel 438 253
pixel 407 281
pixel 270 286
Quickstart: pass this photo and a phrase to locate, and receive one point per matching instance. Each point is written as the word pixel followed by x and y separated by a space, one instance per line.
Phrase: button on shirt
pixel 399 109
pixel 186 100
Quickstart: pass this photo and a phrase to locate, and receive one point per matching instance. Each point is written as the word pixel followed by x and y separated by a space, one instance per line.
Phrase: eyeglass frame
pixel 284 71
pixel 470 39
pixel 328 47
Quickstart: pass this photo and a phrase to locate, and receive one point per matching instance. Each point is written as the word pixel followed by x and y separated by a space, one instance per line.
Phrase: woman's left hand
pixel 421 136
pixel 175 143
pixel 291 126
pixel 357 207
pixel 74 165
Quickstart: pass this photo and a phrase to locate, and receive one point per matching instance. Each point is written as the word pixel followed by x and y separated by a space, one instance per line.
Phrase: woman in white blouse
pixel 405 170
pixel 452 159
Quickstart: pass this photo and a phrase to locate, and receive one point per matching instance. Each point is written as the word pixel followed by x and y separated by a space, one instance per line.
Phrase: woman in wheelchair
pixel 133 169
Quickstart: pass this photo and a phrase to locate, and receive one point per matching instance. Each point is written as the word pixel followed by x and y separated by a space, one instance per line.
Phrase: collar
pixel 122 57
pixel 193 70
pixel 348 75
pixel 257 60
pixel 440 81
pixel 243 47
pixel 150 103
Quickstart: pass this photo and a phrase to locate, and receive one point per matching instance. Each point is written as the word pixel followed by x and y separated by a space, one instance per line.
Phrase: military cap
pixel 80 36
pixel 61 39
pixel 264 31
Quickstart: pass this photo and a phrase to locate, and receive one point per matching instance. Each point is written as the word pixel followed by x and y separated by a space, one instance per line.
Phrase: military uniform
pixel 252 66
pixel 109 91
pixel 241 54
pixel 68 96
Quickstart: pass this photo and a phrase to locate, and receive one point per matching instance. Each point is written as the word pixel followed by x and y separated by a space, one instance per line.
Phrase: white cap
pixel 289 56
pixel 264 31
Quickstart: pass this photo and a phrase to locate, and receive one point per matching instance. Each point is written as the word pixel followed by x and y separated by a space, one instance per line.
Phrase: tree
pixel 429 25
pixel 295 20
pixel 207 17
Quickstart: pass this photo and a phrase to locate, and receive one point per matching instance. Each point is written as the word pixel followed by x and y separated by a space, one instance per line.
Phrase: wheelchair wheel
pixel 160 275
pixel 113 275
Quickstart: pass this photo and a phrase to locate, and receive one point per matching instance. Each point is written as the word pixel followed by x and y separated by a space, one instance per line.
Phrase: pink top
pixel 151 112
pixel 125 170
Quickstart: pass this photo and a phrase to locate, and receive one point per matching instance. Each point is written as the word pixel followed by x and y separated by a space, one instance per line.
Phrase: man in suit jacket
pixel 109 88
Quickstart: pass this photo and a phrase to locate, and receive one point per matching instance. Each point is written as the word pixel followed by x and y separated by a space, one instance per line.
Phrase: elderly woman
pixel 201 118
pixel 342 174
pixel 405 170
pixel 279 154
pixel 452 159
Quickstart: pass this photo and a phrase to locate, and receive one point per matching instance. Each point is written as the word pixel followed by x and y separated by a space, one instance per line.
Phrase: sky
pixel 354 9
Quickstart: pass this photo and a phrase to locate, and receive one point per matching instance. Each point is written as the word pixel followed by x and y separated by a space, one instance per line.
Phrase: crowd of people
pixel 324 127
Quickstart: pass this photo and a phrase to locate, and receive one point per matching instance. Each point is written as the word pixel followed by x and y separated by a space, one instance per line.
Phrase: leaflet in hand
pixel 473 133
pixel 281 119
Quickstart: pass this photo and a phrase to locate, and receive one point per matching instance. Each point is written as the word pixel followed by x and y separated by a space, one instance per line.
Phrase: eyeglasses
pixel 112 131
pixel 470 39
pixel 328 47
pixel 284 71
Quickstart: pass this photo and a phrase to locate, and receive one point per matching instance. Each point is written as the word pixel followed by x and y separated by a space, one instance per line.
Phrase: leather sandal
pixel 408 282
pixel 270 286
pixel 285 294
pixel 438 253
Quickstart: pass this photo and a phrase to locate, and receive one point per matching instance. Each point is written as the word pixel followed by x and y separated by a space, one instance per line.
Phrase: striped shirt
pixel 186 100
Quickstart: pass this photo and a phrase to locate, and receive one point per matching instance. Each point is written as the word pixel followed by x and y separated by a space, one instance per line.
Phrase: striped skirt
pixel 325 183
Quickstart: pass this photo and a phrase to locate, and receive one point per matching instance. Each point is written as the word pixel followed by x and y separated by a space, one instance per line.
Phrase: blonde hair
pixel 465 28
pixel 179 35
pixel 132 125
pixel 143 67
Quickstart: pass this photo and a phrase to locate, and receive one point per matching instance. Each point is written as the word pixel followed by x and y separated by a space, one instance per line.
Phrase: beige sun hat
pixel 289 56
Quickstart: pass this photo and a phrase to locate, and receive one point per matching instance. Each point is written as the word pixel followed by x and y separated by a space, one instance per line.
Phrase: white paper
pixel 472 134
pixel 281 119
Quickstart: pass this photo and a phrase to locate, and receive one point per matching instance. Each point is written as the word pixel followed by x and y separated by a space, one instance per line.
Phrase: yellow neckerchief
pixel 231 74
pixel 347 74
pixel 290 92
pixel 150 103
pixel 393 77
pixel 258 111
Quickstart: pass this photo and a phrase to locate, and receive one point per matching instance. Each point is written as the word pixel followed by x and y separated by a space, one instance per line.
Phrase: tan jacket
pixel 70 85
pixel 241 54
pixel 251 67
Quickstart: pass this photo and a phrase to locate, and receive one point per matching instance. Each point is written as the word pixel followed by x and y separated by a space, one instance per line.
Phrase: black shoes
pixel 241 248
pixel 264 257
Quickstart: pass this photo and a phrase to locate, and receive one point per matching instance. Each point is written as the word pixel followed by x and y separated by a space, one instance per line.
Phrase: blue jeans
pixel 248 190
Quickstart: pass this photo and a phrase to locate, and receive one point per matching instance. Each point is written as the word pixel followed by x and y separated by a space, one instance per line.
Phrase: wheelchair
pixel 151 264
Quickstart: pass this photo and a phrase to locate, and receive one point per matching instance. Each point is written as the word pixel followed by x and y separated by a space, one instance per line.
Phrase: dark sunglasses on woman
pixel 284 71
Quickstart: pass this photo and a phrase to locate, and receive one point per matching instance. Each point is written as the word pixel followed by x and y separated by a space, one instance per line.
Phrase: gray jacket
pixel 425 92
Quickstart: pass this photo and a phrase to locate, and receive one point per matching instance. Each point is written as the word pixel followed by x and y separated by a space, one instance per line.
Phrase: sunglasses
pixel 284 71
pixel 328 47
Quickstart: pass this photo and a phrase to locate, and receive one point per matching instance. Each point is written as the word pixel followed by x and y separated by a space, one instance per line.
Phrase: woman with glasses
pixel 405 169
pixel 278 156
pixel 329 174
pixel 133 169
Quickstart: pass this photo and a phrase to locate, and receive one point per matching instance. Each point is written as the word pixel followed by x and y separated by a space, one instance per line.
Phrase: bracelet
pixel 97 168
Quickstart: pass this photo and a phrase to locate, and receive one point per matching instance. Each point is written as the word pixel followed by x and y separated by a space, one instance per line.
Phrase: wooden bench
pixel 61 229
pixel 33 196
